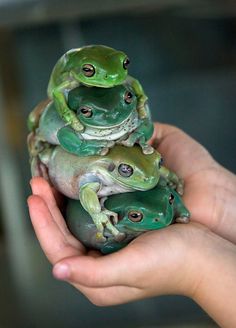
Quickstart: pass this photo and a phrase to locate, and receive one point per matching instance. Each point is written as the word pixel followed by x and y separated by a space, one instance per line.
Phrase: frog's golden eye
pixel 128 97
pixel 88 70
pixel 125 170
pixel 171 199
pixel 135 216
pixel 86 111
pixel 126 63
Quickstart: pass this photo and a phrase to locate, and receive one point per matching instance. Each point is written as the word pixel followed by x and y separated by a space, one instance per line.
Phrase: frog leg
pixel 74 143
pixel 142 98
pixel 140 136
pixel 101 217
pixel 172 179
pixel 64 111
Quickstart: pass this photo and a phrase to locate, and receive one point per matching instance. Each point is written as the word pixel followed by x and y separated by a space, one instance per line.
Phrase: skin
pixel 139 271
pixel 109 69
pixel 110 117
pixel 137 212
pixel 93 177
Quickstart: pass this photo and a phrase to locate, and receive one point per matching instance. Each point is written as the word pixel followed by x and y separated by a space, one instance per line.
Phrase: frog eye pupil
pixel 135 216
pixel 171 199
pixel 88 70
pixel 128 97
pixel 126 63
pixel 86 111
pixel 125 170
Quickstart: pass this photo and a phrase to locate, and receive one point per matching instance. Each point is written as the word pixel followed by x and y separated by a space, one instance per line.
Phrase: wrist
pixel 213 283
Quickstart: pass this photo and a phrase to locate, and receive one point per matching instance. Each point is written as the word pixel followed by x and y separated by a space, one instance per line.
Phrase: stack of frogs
pixel 90 140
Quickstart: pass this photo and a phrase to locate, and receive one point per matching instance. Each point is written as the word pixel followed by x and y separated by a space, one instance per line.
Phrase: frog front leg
pixel 64 111
pixel 142 98
pixel 172 179
pixel 101 217
pixel 140 136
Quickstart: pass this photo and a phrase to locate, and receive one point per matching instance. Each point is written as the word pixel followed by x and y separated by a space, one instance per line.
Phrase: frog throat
pixel 112 132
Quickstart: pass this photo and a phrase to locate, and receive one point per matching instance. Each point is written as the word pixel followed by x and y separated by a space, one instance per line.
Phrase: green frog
pixel 109 116
pixel 94 65
pixel 138 212
pixel 91 178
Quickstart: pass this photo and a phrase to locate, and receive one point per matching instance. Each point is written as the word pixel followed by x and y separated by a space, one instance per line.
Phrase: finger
pixel 42 188
pixel 53 242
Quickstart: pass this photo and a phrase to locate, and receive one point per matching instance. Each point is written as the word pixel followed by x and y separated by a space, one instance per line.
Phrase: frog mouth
pixel 132 116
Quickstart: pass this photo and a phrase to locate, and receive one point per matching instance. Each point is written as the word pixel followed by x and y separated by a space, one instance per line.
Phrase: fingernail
pixel 61 271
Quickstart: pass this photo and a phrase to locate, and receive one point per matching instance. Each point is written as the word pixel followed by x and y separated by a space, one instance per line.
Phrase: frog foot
pixel 180 187
pixel 35 145
pixel 103 220
pixel 147 149
pixel 182 219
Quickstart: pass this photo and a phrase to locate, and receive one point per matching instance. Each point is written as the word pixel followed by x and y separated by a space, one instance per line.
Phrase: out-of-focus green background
pixel 183 53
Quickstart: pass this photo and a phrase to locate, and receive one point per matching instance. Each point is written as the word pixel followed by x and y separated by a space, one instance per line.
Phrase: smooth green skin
pixel 158 212
pixel 93 177
pixel 109 72
pixel 113 121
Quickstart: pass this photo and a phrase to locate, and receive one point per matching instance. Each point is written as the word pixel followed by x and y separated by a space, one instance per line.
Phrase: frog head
pixel 104 107
pixel 98 65
pixel 141 211
pixel 130 168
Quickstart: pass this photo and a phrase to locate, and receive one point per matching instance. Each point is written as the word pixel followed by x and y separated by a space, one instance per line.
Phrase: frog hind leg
pixel 74 143
pixel 90 202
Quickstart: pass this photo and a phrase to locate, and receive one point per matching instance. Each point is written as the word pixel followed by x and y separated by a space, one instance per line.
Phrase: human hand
pixel 210 189
pixel 155 263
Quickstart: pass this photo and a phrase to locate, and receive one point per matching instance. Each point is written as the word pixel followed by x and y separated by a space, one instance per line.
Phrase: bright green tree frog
pixel 90 178
pixel 138 212
pixel 94 65
pixel 109 116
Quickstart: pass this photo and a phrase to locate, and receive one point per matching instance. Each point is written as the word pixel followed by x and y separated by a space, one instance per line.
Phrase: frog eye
pixel 86 111
pixel 88 70
pixel 128 97
pixel 126 63
pixel 171 199
pixel 125 170
pixel 135 216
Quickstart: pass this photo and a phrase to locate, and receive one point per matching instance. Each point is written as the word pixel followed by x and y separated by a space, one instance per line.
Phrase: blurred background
pixel 183 53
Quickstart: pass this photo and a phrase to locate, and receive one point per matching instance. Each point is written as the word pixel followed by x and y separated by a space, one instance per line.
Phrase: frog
pixel 91 178
pixel 109 116
pixel 138 212
pixel 92 65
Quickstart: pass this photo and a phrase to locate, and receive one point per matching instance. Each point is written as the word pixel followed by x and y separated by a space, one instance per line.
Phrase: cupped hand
pixel 156 263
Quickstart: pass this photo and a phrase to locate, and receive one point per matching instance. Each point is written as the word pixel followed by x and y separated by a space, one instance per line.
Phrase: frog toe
pixel 147 149
pixel 120 237
pixel 182 219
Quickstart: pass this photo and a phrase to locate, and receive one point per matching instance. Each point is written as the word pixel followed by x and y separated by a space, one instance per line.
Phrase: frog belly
pixel 112 132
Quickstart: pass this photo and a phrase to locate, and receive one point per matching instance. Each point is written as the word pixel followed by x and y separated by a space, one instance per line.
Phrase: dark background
pixel 183 53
